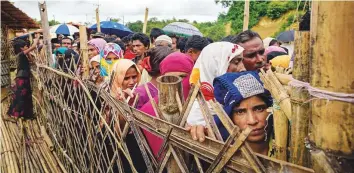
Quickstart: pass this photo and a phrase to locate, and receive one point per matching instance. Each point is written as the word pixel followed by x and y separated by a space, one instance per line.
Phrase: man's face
pixel 252 113
pixel 138 47
pixel 254 58
pixel 174 44
pixel 66 43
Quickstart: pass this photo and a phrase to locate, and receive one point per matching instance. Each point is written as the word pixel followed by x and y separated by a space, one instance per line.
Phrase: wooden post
pixel 145 20
pixel 46 34
pixel 83 51
pixel 281 126
pixel 98 20
pixel 332 128
pixel 168 87
pixel 300 109
pixel 246 15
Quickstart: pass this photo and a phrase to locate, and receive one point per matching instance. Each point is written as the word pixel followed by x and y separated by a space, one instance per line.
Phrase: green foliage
pixel 53 22
pixel 115 19
pixel 289 21
pixel 276 9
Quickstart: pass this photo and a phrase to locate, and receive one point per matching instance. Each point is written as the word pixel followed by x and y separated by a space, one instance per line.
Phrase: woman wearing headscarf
pixel 178 64
pixel 95 70
pixel 246 101
pixel 124 77
pixel 152 65
pixel 215 60
pixel 110 54
pixel 95 46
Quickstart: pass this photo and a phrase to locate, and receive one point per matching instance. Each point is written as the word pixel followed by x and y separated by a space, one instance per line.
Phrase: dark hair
pixel 209 40
pixel 157 54
pixel 93 32
pixel 142 38
pixel 228 38
pixel 196 42
pixel 109 39
pixel 18 44
pixel 120 44
pixel 245 36
pixel 271 43
pixel 181 44
pixel 172 35
pixel 155 32
pixel 126 39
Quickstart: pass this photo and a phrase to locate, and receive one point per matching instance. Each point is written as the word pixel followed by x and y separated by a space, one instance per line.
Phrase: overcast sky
pixel 132 10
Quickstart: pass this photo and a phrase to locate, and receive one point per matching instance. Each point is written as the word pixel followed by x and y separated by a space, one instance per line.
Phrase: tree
pixel 53 22
pixel 115 19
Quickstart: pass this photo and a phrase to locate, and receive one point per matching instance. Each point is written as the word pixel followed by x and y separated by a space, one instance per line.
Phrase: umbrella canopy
pixel 286 36
pixel 182 29
pixel 63 29
pixel 109 27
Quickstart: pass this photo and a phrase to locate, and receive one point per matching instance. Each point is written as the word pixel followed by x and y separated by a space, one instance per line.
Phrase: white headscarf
pixel 214 61
pixel 94 59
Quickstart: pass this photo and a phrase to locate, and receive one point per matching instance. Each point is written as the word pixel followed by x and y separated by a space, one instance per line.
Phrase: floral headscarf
pixel 107 64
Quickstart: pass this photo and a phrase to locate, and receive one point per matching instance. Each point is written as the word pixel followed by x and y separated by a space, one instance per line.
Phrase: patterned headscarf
pixel 107 64
pixel 98 43
pixel 231 88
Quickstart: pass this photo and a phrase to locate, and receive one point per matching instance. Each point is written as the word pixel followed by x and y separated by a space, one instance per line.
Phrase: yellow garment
pixel 145 77
pixel 281 61
pixel 195 76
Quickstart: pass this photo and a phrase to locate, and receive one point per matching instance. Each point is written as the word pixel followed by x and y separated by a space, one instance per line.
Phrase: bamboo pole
pixel 246 15
pixel 168 103
pixel 46 34
pixel 281 124
pixel 97 21
pixel 300 108
pixel 332 127
pixel 83 51
pixel 146 20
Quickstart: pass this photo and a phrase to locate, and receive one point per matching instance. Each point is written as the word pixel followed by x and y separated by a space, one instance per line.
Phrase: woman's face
pixel 92 51
pixel 252 113
pixel 111 56
pixel 130 79
pixel 236 64
pixel 95 76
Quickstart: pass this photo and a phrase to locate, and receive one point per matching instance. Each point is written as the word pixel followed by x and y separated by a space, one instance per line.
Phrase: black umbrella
pixel 286 36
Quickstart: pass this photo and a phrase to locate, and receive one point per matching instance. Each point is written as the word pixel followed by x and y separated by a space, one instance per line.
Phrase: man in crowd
pixel 127 40
pixel 163 40
pixel 154 33
pixel 194 46
pixel 66 42
pixel 174 41
pixel 253 55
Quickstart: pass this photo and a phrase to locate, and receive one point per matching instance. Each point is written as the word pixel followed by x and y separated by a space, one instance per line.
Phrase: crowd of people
pixel 227 71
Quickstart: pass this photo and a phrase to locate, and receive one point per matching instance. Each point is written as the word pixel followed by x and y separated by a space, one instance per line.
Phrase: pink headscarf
pixel 178 62
pixel 175 62
pixel 274 49
pixel 98 43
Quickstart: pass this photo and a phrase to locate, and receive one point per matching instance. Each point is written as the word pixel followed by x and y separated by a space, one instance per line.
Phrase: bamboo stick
pixel 332 70
pixel 84 51
pixel 300 109
pixel 246 15
pixel 281 134
pixel 146 21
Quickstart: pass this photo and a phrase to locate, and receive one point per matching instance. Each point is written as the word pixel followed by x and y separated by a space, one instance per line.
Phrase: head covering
pixel 178 62
pixel 164 38
pixel 266 42
pixel 231 88
pixel 213 62
pixel 106 64
pixel 98 35
pixel 274 54
pixel 119 70
pixel 98 43
pixel 281 61
pixel 61 50
pixel 274 49
pixel 94 59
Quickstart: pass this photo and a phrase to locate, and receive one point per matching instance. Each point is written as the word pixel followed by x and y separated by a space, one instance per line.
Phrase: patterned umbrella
pixel 182 29
pixel 63 29
pixel 109 27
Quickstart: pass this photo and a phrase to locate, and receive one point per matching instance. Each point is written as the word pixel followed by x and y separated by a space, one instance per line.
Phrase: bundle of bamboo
pixel 26 147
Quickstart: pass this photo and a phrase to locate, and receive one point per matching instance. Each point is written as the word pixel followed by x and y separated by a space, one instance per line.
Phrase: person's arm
pixel 196 123
pixel 34 46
